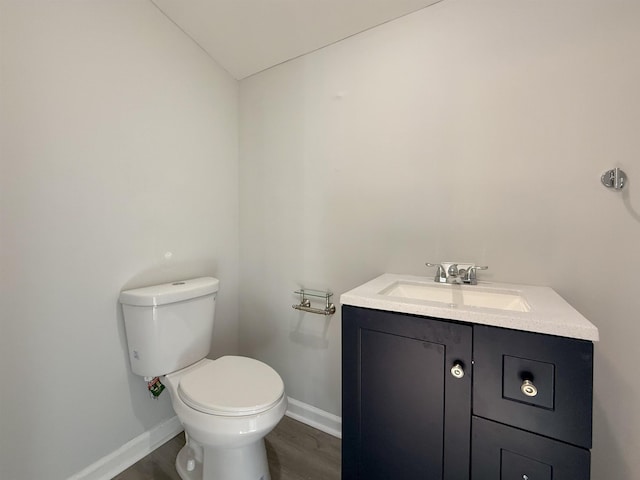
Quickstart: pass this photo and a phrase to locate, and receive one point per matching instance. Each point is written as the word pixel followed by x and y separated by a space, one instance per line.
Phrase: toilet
pixel 227 405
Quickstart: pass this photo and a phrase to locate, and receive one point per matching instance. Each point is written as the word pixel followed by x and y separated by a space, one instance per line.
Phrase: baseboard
pixel 314 417
pixel 116 462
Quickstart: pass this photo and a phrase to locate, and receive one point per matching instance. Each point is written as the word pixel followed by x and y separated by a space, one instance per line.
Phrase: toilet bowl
pixel 226 407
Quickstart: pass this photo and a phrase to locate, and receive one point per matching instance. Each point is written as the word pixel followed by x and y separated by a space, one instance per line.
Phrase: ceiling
pixel 247 36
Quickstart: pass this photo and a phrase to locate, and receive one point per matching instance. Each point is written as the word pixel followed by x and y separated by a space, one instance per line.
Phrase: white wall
pixel 468 131
pixel 119 144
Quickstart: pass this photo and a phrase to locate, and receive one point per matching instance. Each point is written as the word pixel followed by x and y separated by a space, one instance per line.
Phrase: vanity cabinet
pixel 427 398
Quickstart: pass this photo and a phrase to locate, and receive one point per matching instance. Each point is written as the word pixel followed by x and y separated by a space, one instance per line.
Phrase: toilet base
pixel 195 462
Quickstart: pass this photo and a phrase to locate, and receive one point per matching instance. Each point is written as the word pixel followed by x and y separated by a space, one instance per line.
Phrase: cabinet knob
pixel 457 370
pixel 529 389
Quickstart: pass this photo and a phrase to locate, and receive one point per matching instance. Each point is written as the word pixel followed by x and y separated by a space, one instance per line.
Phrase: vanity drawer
pixel 500 452
pixel 556 403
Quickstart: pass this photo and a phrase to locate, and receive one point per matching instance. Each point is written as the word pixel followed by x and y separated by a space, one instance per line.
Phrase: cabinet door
pixel 506 453
pixel 404 414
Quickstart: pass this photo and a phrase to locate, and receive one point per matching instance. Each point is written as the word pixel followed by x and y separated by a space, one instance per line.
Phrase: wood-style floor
pixel 295 452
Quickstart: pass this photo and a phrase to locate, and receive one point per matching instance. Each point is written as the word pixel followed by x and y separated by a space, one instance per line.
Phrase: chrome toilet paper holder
pixel 305 302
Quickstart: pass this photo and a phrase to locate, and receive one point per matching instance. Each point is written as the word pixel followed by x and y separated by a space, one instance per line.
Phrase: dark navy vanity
pixel 456 399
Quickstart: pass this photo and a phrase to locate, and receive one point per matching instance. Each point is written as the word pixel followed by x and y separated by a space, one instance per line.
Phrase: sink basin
pixel 518 307
pixel 459 295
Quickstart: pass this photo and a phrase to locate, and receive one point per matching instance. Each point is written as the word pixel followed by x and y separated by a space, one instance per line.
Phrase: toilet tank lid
pixel 169 292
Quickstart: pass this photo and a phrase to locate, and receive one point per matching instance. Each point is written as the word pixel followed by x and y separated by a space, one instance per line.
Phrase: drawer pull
pixel 457 370
pixel 529 389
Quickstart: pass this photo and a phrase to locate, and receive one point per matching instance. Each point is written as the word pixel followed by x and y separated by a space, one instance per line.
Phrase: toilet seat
pixel 231 386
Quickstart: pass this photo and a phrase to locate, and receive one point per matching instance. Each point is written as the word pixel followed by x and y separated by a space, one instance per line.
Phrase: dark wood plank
pixel 299 452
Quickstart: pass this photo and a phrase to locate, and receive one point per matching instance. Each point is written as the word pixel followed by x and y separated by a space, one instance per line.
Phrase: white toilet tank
pixel 169 326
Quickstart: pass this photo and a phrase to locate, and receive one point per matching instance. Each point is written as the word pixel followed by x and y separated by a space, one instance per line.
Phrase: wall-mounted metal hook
pixel 614 178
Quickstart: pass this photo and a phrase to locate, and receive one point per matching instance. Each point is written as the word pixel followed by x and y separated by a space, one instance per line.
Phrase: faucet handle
pixel 441 275
pixel 470 274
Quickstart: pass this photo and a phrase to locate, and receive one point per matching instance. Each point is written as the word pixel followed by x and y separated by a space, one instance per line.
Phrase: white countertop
pixel 548 312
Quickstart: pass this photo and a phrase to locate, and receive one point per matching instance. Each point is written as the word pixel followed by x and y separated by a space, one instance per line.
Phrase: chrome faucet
pixel 449 272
